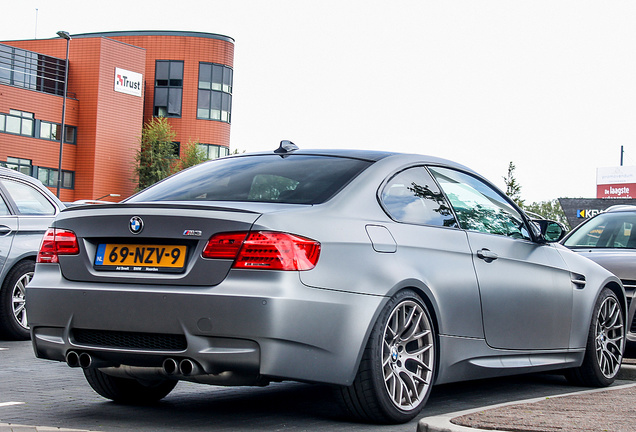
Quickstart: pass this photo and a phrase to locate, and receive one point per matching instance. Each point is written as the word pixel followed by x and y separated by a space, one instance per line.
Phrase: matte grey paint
pixel 518 313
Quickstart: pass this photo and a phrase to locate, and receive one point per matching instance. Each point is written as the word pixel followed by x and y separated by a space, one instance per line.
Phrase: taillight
pixel 57 242
pixel 264 250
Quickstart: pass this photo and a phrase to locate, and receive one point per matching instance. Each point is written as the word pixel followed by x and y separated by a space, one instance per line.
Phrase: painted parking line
pixel 3 349
pixel 5 404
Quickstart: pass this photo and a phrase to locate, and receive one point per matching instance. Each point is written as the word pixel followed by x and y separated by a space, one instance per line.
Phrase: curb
pixel 442 423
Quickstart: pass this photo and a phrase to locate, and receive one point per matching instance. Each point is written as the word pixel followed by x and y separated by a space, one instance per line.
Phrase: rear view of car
pixel 379 273
pixel 26 210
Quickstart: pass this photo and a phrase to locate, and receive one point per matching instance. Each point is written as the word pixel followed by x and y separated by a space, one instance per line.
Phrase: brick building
pixel 116 82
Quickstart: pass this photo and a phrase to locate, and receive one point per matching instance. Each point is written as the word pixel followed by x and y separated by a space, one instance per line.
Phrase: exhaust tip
pixel 72 359
pixel 187 367
pixel 170 366
pixel 85 360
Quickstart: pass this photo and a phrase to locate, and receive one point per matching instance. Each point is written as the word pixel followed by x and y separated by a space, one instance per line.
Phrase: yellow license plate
pixel 135 257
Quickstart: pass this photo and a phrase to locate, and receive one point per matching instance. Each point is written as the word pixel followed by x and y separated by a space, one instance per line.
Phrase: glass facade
pixel 213 151
pixel 168 88
pixel 214 101
pixel 30 70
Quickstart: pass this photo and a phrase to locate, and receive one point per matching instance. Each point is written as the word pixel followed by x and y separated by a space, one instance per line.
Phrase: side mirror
pixel 551 231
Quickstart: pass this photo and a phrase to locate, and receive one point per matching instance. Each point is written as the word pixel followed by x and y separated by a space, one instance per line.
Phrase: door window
pixel 478 206
pixel 28 200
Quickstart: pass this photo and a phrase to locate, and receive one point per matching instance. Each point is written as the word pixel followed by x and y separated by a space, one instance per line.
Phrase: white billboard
pixel 128 82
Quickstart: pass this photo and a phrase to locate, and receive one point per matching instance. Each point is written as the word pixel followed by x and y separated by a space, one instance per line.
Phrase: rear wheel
pixel 13 316
pixel 396 371
pixel 605 344
pixel 128 391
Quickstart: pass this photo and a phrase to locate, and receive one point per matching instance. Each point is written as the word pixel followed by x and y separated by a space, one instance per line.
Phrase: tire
pixel 605 344
pixel 13 317
pixel 396 372
pixel 128 391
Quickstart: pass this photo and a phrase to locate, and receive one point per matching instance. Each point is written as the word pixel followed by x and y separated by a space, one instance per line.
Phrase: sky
pixel 547 85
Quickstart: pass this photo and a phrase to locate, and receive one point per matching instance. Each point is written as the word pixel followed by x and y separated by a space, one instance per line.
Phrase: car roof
pixel 368 155
pixel 8 172
pixel 621 208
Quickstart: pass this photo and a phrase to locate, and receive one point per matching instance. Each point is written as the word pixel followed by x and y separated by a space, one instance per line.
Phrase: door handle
pixel 4 230
pixel 487 255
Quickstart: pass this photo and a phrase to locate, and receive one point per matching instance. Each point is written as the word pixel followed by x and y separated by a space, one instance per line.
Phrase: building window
pixel 19 164
pixel 214 100
pixel 168 88
pixel 17 122
pixel 51 131
pixel 213 151
pixel 30 70
pixel 48 176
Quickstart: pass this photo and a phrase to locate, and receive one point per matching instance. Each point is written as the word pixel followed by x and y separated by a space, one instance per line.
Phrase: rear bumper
pixel 253 323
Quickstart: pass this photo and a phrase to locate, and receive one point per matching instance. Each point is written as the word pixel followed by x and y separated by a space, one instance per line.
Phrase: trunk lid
pixel 166 249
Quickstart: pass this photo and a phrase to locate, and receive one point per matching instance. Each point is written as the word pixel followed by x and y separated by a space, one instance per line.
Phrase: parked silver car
pixel 609 239
pixel 26 211
pixel 378 272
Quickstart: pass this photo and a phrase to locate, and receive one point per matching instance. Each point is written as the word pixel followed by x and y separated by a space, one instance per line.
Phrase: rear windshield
pixel 295 179
pixel 607 230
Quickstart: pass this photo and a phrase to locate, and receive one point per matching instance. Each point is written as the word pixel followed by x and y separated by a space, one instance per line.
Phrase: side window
pixel 478 206
pixel 29 200
pixel 412 196
pixel 4 210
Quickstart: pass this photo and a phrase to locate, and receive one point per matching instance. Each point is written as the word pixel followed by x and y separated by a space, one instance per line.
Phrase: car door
pixel 35 212
pixel 432 245
pixel 525 287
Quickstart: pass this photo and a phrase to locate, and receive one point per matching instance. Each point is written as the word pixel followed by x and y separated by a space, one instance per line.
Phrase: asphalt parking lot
pixel 52 396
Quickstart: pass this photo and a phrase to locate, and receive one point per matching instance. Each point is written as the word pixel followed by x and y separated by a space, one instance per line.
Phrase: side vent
pixel 578 280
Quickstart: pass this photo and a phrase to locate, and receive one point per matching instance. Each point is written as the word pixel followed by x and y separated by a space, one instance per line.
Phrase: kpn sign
pixel 128 82
pixel 616 182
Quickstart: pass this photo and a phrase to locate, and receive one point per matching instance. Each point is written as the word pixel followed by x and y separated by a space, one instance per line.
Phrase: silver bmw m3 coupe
pixel 380 273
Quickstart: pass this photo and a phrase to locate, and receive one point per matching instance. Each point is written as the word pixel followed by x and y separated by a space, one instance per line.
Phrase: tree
pixel 550 210
pixel 191 154
pixel 155 157
pixel 513 188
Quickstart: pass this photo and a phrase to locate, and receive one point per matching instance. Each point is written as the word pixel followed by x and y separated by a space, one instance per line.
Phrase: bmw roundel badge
pixel 136 224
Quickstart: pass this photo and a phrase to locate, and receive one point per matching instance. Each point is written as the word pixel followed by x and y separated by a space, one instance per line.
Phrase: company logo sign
pixel 587 213
pixel 128 82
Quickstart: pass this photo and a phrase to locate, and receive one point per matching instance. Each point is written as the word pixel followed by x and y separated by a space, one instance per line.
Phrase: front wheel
pixel 605 344
pixel 397 368
pixel 128 391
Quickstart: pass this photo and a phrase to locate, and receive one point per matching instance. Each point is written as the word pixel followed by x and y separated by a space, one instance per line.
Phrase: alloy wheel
pixel 408 355
pixel 609 337
pixel 18 299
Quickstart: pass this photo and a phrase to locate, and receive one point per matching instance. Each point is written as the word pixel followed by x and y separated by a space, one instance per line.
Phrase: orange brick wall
pixel 191 50
pixel 109 123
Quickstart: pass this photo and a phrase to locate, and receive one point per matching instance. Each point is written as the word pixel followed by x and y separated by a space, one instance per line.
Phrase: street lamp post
pixel 66 36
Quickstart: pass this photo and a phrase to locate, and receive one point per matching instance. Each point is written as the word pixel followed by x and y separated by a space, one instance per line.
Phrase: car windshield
pixel 296 179
pixel 607 230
